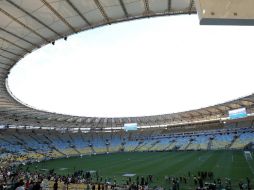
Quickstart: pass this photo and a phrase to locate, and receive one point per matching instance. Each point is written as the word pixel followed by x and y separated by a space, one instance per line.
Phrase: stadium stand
pixel 26 145
pixel 23 146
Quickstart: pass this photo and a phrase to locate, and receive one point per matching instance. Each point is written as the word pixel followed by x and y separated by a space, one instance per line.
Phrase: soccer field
pixel 224 164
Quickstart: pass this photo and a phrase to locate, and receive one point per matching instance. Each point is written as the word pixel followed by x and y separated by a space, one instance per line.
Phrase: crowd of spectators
pixel 15 179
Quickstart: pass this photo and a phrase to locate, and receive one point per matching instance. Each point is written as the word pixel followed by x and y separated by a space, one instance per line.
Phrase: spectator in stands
pixel 37 186
pixel 88 186
pixel 137 180
pixel 142 181
pixel 44 184
pixel 174 186
pixel 20 185
pixel 195 180
pixel 248 183
pixel 27 184
pixel 65 185
pixel 31 185
pixel 93 186
pixel 241 185
pixel 200 182
pixel 55 187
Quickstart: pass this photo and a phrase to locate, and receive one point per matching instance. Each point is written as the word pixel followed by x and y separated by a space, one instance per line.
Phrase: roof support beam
pixel 58 15
pixel 112 122
pixel 199 113
pixel 191 6
pixel 104 123
pixel 103 13
pixel 187 115
pixel 192 115
pixel 124 8
pixel 208 112
pixel 221 111
pixel 7 58
pixel 228 108
pixel 23 115
pixel 215 112
pixel 14 44
pixel 10 116
pixel 12 34
pixel 3 72
pixel 97 123
pixel 247 100
pixel 4 68
pixel 10 52
pixel 22 24
pixel 4 64
pixel 164 119
pixel 241 104
pixel 146 5
pixel 149 122
pixel 153 120
pixel 169 5
pixel 32 16
pixel 79 13
pixel 231 105
pixel 88 120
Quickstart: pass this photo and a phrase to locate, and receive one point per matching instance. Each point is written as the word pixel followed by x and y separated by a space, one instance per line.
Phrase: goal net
pixel 247 155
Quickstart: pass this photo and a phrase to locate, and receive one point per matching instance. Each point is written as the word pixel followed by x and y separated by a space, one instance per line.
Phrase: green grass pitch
pixel 230 164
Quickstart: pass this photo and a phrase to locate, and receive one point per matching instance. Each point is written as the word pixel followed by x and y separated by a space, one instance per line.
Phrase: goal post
pixel 248 155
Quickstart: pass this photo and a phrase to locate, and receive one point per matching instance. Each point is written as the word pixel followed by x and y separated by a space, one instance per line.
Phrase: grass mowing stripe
pixel 202 158
pixel 139 159
pixel 223 164
pixel 144 166
pixel 182 167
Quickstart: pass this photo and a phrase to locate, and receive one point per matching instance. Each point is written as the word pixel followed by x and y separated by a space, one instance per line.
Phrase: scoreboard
pixel 130 126
pixel 237 113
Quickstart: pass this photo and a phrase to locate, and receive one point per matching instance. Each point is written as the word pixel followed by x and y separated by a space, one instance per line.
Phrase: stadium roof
pixel 26 25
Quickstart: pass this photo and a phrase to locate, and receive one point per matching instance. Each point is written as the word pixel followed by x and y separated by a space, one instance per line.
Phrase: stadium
pixel 206 148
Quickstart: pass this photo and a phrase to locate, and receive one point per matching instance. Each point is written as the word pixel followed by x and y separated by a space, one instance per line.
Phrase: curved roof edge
pixel 27 25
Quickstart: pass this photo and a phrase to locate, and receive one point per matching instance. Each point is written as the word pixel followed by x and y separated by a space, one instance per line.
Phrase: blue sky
pixel 145 67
